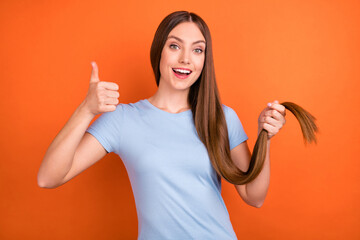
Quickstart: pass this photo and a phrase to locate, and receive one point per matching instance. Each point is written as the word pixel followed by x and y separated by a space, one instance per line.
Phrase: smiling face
pixel 182 58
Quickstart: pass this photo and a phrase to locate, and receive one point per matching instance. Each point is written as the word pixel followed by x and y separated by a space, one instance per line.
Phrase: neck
pixel 170 100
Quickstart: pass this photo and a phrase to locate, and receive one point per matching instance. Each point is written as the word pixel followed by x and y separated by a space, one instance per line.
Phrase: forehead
pixel 187 31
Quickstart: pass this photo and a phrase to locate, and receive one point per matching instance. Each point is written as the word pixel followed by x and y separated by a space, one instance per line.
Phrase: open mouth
pixel 181 71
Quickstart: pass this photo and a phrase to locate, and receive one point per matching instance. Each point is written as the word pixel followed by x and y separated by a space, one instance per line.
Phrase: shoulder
pixel 129 108
pixel 231 117
pixel 228 112
pixel 226 108
pixel 122 109
pixel 115 120
pixel 140 104
pixel 236 131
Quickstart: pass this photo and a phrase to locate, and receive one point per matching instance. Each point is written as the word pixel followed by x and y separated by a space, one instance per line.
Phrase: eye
pixel 198 50
pixel 174 46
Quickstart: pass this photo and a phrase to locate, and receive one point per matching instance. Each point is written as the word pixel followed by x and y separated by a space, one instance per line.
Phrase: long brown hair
pixel 206 106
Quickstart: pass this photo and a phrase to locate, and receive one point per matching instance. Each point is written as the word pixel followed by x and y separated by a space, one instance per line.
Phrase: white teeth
pixel 181 71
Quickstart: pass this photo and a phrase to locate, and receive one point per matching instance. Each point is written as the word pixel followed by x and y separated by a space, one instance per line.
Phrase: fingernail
pixel 269 104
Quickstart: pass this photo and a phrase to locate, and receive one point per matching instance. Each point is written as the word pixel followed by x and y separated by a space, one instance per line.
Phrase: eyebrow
pixel 180 40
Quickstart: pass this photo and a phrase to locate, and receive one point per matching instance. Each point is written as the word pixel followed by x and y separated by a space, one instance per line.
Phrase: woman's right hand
pixel 102 96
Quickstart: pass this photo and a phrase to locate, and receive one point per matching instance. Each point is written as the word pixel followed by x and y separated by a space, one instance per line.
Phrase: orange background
pixel 307 52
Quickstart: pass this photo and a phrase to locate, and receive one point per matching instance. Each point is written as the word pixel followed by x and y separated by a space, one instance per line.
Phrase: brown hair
pixel 207 109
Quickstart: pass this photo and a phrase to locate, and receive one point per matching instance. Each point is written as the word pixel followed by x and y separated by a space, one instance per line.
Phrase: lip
pixel 182 76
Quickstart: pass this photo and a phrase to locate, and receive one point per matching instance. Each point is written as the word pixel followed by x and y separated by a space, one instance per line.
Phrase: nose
pixel 184 57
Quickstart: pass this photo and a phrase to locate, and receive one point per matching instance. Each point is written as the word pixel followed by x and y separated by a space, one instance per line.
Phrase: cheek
pixel 166 60
pixel 163 65
pixel 199 64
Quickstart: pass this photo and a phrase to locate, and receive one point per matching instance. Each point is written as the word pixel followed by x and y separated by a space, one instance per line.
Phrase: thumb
pixel 94 73
pixel 270 104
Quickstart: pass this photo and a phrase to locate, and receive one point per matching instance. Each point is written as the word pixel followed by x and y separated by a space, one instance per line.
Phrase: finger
pixel 270 129
pixel 112 94
pixel 109 85
pixel 269 105
pixel 269 112
pixel 108 108
pixel 271 121
pixel 94 73
pixel 276 106
pixel 276 115
pixel 111 101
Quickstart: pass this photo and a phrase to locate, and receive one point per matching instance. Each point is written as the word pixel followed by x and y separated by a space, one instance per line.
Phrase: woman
pixel 175 145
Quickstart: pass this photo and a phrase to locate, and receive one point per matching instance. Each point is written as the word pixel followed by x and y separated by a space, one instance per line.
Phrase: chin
pixel 182 86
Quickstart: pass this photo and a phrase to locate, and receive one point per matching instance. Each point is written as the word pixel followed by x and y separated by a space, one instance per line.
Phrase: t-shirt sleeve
pixel 236 131
pixel 106 129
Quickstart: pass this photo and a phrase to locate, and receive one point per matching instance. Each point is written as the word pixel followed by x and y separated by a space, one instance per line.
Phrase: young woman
pixel 176 145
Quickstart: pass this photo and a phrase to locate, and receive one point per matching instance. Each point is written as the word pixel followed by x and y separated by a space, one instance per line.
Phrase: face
pixel 182 58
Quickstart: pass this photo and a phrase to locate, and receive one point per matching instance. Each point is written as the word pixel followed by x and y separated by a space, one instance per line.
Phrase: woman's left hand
pixel 272 118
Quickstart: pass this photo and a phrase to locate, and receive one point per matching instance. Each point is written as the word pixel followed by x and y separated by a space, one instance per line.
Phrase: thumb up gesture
pixel 101 96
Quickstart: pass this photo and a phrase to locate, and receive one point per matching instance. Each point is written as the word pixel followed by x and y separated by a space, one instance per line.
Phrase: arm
pixel 254 193
pixel 73 150
pixel 72 146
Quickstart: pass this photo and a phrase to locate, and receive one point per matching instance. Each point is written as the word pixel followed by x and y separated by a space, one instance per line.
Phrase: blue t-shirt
pixel 176 189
